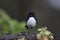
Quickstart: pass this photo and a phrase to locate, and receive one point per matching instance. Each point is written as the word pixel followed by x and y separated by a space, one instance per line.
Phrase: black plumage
pixel 30 14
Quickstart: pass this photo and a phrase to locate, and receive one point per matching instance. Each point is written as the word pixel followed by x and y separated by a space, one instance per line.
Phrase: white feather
pixel 31 22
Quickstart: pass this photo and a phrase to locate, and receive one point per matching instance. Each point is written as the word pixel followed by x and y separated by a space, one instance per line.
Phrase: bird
pixel 31 20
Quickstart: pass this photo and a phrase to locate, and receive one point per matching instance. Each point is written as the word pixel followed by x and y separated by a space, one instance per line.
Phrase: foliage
pixel 44 34
pixel 8 25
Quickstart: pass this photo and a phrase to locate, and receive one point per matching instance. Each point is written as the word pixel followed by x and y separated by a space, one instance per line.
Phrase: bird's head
pixel 31 14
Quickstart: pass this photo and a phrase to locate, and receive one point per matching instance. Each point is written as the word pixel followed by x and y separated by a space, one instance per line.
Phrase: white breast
pixel 31 22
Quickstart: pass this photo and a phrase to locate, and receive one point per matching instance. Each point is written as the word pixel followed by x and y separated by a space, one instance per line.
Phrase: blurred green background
pixel 8 25
pixel 18 10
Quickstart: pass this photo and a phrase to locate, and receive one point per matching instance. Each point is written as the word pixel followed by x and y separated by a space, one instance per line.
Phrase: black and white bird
pixel 31 20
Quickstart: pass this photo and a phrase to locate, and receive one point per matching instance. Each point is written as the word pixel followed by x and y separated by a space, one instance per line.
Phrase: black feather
pixel 26 27
pixel 30 14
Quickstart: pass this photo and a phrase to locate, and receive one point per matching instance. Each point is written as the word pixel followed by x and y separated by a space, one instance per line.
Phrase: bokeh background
pixel 47 12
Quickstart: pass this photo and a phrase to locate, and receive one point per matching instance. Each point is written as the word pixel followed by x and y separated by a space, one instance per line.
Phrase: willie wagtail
pixel 31 20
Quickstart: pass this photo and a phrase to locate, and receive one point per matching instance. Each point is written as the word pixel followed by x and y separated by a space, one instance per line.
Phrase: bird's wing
pixel 35 18
pixel 27 19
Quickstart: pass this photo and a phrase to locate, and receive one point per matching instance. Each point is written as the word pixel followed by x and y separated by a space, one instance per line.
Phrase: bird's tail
pixel 26 27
